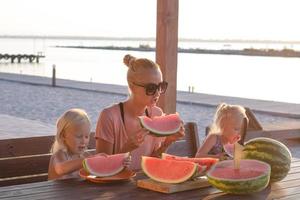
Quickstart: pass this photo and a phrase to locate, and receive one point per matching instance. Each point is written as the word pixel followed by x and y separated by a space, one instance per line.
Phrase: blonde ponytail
pixel 136 66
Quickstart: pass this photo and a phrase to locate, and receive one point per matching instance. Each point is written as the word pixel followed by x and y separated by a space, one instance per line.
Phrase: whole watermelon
pixel 271 151
pixel 252 176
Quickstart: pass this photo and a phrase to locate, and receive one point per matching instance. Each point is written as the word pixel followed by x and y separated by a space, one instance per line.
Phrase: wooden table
pixel 289 188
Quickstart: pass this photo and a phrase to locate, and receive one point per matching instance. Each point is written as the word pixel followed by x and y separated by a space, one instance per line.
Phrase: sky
pixel 202 19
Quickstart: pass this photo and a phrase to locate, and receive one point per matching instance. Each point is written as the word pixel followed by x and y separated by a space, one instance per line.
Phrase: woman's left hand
pixel 176 136
pixel 127 161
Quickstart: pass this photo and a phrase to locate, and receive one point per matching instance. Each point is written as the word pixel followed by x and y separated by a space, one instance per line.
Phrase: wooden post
pixel 53 76
pixel 166 50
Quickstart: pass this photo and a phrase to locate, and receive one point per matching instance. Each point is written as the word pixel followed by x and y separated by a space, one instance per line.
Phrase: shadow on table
pixel 256 196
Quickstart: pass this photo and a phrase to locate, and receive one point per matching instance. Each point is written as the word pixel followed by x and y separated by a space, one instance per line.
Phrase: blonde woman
pixel 226 129
pixel 118 129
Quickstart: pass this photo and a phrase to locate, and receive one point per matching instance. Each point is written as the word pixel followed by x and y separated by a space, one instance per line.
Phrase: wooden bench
pixel 26 160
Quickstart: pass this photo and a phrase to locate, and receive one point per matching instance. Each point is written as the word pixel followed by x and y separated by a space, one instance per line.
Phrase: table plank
pixel 285 184
pixel 285 192
pixel 294 170
pixel 295 164
pixel 291 197
pixel 74 188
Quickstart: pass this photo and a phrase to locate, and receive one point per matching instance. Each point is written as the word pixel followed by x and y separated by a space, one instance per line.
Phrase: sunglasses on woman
pixel 151 88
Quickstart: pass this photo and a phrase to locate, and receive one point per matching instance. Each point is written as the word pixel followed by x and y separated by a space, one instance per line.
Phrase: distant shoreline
pixel 153 39
pixel 243 52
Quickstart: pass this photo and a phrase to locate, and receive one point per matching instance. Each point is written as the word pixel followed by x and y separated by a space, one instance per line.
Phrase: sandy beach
pixel 29 107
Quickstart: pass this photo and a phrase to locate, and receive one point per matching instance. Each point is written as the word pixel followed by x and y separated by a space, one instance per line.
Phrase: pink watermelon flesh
pixel 162 125
pixel 207 162
pixel 248 169
pixel 102 166
pixel 168 171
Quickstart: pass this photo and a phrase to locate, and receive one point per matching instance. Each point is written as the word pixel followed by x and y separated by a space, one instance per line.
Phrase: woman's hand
pixel 176 136
pixel 127 161
pixel 135 140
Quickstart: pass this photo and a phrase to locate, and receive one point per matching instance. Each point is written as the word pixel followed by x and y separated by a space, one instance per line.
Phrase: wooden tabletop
pixel 289 188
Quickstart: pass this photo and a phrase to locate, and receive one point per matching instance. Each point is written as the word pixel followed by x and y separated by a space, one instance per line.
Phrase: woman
pixel 118 128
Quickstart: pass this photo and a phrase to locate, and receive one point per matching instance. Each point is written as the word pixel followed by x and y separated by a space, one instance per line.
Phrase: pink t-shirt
pixel 110 128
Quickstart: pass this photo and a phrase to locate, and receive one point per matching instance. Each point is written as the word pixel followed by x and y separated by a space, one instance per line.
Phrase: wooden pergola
pixel 166 50
pixel 166 57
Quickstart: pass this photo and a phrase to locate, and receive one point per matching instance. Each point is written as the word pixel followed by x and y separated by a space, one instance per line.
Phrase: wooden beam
pixel 166 50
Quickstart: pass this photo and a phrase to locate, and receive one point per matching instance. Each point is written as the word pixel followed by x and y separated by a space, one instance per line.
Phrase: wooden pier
pixel 19 57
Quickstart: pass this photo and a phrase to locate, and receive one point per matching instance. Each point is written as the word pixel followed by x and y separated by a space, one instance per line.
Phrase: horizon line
pixel 71 37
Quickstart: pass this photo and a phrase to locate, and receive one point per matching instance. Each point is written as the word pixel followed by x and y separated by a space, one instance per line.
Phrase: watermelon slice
pixel 252 176
pixel 207 162
pixel 161 125
pixel 103 166
pixel 168 171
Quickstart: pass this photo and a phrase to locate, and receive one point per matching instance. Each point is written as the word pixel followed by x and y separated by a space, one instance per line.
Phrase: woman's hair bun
pixel 128 60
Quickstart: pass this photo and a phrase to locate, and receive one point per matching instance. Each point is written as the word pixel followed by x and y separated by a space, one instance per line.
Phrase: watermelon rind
pixel 99 174
pixel 271 151
pixel 240 186
pixel 187 176
pixel 84 166
pixel 158 133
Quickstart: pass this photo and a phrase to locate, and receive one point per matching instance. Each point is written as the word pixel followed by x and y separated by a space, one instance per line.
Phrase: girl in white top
pixel 71 142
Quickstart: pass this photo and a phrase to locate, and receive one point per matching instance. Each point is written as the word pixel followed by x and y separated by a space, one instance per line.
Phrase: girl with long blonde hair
pixel 226 129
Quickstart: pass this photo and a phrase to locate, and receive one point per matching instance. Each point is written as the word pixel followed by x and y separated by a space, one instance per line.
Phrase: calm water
pixel 269 78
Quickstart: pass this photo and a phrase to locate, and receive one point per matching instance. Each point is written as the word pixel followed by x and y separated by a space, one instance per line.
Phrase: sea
pixel 253 77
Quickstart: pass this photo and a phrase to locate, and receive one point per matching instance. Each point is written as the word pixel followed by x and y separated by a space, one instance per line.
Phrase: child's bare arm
pixel 63 166
pixel 208 144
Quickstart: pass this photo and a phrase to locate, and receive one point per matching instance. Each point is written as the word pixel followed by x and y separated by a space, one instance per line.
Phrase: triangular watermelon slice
pixel 168 171
pixel 103 166
pixel 161 125
pixel 208 162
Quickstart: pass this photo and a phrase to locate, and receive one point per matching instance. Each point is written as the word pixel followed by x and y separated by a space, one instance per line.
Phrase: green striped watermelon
pixel 253 176
pixel 168 171
pixel 272 152
pixel 161 126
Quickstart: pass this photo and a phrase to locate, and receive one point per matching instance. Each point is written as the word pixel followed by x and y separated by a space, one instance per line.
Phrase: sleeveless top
pixel 218 147
pixel 122 112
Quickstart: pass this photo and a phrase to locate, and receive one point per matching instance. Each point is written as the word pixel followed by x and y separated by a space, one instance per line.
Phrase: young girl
pixel 226 129
pixel 69 148
pixel 118 128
